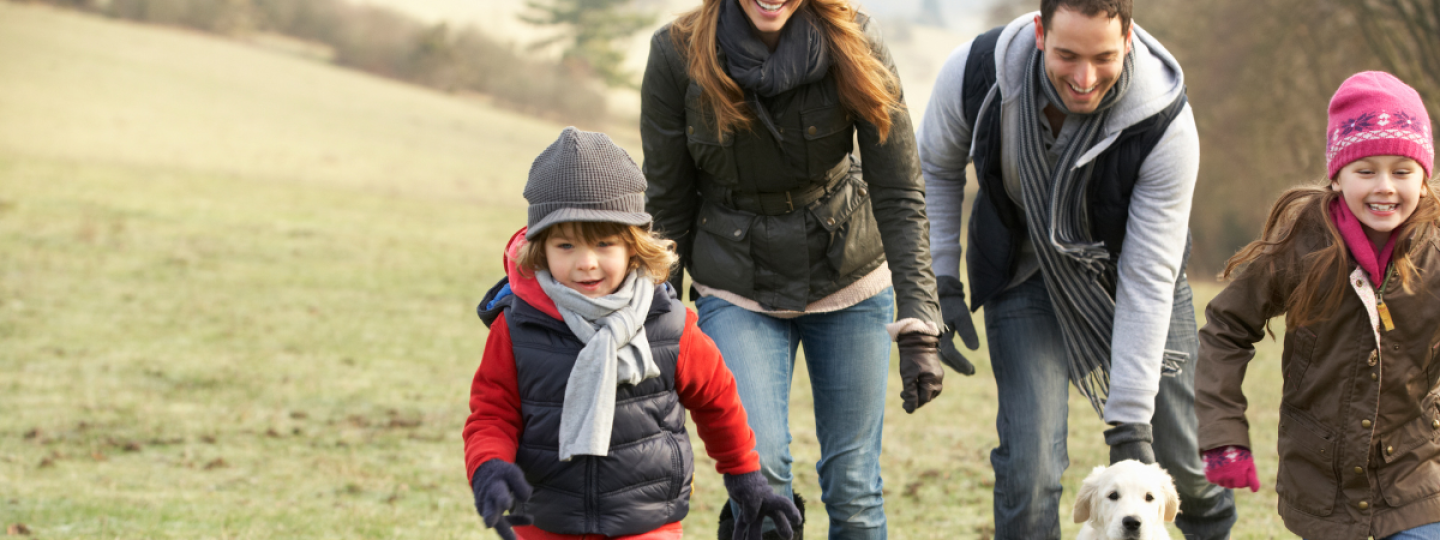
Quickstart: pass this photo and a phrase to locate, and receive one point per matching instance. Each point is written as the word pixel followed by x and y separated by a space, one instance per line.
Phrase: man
pixel 1086 154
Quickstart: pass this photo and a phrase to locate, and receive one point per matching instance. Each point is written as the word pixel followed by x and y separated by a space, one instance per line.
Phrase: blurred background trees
pixel 1259 74
pixel 588 30
pixel 1405 34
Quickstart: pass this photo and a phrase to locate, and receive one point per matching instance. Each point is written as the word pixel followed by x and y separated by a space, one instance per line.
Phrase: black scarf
pixel 801 57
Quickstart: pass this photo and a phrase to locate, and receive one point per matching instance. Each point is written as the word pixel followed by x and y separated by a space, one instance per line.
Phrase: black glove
pixel 920 370
pixel 956 317
pixel 1130 441
pixel 756 501
pixel 499 485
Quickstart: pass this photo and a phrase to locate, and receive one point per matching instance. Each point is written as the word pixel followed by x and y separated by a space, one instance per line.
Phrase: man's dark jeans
pixel 1028 356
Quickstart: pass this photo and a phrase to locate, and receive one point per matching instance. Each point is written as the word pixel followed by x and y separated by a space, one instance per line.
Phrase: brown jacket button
pixel 1435 424
pixel 1359 470
pixel 1365 423
pixel 1364 505
pixel 1389 450
pixel 737 233
pixel 811 130
pixel 1374 377
pixel 689 130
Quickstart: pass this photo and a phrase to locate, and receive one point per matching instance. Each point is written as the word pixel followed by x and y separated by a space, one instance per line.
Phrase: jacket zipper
pixel 1384 311
pixel 591 517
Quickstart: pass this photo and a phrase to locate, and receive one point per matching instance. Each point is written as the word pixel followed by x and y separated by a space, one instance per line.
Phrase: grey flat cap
pixel 583 176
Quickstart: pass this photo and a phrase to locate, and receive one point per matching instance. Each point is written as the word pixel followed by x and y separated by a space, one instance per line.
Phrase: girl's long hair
pixel 1322 274
pixel 866 87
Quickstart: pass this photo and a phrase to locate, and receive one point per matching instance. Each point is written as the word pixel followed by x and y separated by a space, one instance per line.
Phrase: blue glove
pixel 499 485
pixel 756 501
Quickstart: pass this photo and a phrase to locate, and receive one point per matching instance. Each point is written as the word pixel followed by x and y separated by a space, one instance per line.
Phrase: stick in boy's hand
pixel 499 485
pixel 756 501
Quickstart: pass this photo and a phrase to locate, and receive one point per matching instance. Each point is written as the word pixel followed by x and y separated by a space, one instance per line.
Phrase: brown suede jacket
pixel 1359 438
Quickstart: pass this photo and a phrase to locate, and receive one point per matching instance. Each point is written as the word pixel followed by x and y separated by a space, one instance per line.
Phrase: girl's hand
pixel 1231 467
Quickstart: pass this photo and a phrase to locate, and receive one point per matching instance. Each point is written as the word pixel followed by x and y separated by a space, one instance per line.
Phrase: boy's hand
pixel 756 501
pixel 499 485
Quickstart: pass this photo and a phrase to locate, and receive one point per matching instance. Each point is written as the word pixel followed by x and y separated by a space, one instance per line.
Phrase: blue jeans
pixel 847 353
pixel 1423 532
pixel 1027 354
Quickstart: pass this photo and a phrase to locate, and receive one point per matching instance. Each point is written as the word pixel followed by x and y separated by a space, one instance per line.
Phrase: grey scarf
pixel 616 352
pixel 1079 274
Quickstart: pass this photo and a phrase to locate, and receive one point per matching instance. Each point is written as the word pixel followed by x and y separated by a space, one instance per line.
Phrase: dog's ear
pixel 1088 489
pixel 1172 499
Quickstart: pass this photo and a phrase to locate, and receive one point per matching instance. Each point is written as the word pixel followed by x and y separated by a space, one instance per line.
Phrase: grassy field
pixel 237 292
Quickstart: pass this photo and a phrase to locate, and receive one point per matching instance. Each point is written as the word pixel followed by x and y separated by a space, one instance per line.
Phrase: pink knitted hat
pixel 1375 114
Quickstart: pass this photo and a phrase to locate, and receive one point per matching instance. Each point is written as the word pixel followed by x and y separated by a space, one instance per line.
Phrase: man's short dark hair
pixel 1089 8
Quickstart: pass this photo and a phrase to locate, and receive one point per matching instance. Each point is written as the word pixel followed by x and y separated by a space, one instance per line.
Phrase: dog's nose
pixel 1130 523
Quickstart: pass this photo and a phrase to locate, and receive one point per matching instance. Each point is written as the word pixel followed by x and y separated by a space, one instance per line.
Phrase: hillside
pixel 104 91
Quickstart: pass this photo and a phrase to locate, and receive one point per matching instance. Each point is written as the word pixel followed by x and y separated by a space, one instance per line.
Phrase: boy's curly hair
pixel 654 255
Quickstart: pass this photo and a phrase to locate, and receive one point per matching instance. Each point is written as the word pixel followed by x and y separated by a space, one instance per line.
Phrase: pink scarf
pixel 1359 244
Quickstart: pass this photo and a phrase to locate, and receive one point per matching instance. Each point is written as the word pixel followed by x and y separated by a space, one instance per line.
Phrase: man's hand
pixel 956 316
pixel 920 370
pixel 1131 441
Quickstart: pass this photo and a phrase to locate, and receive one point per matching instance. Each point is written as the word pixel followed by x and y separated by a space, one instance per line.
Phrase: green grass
pixel 237 292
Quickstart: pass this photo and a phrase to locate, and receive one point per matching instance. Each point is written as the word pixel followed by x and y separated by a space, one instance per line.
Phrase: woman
pixel 748 115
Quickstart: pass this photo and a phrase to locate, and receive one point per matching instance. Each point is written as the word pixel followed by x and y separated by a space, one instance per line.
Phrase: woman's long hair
pixel 1322 275
pixel 867 88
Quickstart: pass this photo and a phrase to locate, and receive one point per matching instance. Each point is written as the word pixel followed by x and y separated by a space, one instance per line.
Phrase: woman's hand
pixel 920 369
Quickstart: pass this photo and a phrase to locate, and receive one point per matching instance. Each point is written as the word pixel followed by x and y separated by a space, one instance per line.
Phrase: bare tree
pixel 1405 35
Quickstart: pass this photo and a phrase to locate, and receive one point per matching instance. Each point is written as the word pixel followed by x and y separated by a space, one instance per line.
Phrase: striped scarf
pixel 1079 273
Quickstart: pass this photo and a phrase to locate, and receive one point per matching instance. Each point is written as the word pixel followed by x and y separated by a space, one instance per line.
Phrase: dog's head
pixel 1128 500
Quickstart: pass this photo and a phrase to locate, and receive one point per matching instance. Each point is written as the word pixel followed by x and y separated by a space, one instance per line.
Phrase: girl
pixel 748 113
pixel 1353 266
pixel 577 423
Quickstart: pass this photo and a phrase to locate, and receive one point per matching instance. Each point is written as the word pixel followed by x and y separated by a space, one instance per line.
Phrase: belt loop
pixel 789 204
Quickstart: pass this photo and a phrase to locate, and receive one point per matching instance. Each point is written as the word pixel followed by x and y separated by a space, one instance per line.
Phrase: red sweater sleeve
pixel 493 428
pixel 707 389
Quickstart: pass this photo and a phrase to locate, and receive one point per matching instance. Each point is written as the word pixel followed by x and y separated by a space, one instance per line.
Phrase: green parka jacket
pixel 787 222
pixel 1359 439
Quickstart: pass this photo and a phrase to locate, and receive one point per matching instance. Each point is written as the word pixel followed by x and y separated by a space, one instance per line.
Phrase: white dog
pixel 1128 500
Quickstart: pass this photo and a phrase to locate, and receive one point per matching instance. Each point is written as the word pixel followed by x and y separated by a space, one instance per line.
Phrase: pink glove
pixel 1232 467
